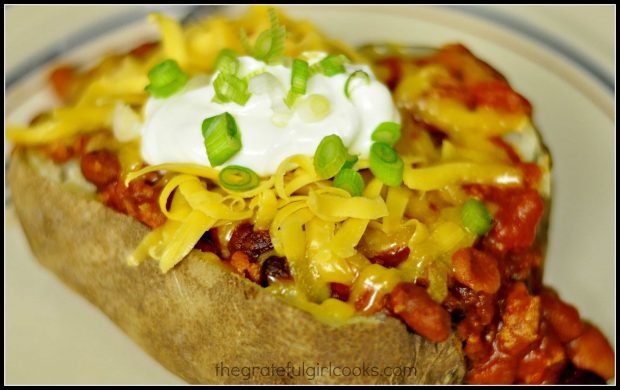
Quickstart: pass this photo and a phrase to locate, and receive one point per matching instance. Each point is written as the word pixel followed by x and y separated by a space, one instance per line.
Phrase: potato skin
pixel 199 314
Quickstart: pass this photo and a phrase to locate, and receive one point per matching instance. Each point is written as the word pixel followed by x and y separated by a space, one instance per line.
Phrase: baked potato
pixel 201 312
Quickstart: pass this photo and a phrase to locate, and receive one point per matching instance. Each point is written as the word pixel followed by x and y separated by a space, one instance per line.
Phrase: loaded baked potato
pixel 439 276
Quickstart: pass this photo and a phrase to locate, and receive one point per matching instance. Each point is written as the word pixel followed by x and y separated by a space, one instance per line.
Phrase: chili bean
pixel 370 302
pixel 340 291
pixel 591 351
pixel 274 269
pixel 476 270
pixel 100 167
pixel 253 243
pixel 62 79
pixel 419 311
pixel 563 318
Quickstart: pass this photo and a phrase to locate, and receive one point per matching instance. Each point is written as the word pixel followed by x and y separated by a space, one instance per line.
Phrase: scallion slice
pixel 237 178
pixel 386 164
pixel 165 79
pixel 227 62
pixel 278 36
pixel 350 181
pixel 330 156
pixel 269 46
pixel 299 81
pixel 333 65
pixel 475 217
pixel 357 74
pixel 387 132
pixel 330 65
pixel 299 76
pixel 262 44
pixel 230 88
pixel 221 137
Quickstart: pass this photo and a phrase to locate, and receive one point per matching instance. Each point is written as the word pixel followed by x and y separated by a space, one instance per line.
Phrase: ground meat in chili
pixel 139 199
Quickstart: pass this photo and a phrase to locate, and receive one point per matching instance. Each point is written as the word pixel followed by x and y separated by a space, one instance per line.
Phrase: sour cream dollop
pixel 172 129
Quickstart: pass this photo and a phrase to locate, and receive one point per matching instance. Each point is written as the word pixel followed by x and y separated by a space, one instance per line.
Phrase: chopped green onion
pixel 313 108
pixel 291 98
pixel 262 44
pixel 386 164
pixel 238 178
pixel 330 65
pixel 222 138
pixel 299 76
pixel 278 36
pixel 166 78
pixel 329 157
pixel 387 132
pixel 299 81
pixel 354 75
pixel 269 46
pixel 350 181
pixel 351 161
pixel 475 217
pixel 230 88
pixel 333 65
pixel 227 62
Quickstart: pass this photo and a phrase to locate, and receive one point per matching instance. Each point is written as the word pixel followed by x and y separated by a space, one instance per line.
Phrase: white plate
pixel 52 335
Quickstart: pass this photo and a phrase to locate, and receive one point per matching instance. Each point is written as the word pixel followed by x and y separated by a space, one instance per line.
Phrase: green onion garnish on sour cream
pixel 387 132
pixel 165 79
pixel 222 139
pixel 279 107
pixel 299 81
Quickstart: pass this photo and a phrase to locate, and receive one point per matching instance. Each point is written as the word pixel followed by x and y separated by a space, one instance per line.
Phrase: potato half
pixel 200 315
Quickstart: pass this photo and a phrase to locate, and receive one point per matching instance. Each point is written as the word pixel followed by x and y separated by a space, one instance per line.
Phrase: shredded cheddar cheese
pixel 317 227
